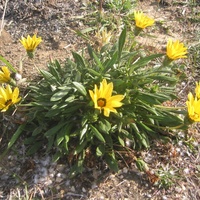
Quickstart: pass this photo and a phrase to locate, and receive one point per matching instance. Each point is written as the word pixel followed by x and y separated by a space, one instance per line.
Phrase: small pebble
pixel 83 190
pixel 164 198
pixel 45 161
pixel 60 167
pixel 51 170
pixel 51 175
pixel 67 183
pixel 94 185
pixel 59 179
pixel 125 170
pixel 186 171
pixel 73 189
pixel 48 182
pixel 178 189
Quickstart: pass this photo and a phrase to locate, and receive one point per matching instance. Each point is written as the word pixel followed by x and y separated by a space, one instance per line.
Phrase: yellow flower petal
pixel 176 50
pixel 8 97
pixel 142 21
pixel 103 99
pixel 4 75
pixel 31 43
pixel 193 105
pixel 197 90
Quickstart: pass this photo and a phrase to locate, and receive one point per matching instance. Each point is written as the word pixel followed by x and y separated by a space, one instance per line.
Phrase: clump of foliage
pixel 62 116
pixel 103 101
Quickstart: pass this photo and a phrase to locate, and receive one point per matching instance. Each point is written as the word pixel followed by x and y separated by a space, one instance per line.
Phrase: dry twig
pixel 3 16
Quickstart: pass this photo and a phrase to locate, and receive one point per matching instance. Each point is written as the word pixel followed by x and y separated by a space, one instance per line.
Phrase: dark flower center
pixel 101 102
pixel 8 102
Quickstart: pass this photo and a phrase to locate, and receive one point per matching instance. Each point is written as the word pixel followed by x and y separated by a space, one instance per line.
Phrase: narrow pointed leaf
pixel 121 43
pixel 97 133
pixel 80 88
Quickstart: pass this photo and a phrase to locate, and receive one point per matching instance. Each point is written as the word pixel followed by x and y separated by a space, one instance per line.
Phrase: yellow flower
pixel 103 99
pixel 30 43
pixel 8 97
pixel 4 75
pixel 176 50
pixel 197 90
pixel 103 37
pixel 141 20
pixel 193 105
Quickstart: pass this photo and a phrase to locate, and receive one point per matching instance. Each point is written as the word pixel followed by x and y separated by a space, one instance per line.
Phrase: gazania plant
pixel 4 75
pixel 8 97
pixel 101 105
pixel 175 50
pixel 30 44
pixel 193 105
pixel 142 21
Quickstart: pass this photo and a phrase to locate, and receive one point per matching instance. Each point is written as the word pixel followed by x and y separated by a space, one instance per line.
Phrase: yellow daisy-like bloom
pixel 4 75
pixel 8 97
pixel 103 37
pixel 30 43
pixel 103 99
pixel 176 50
pixel 197 90
pixel 193 105
pixel 142 21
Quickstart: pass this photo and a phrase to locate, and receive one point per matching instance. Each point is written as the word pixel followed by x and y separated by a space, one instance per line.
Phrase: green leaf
pixel 70 99
pixel 80 88
pixel 144 139
pixel 97 133
pixel 63 134
pixel 90 50
pixel 166 119
pixel 163 78
pixel 153 98
pixel 109 64
pixel 7 64
pixel 100 150
pixel 144 61
pixel 83 131
pixel 16 135
pixel 93 72
pixel 98 62
pixel 49 77
pixel 54 72
pixel 35 147
pixel 79 60
pixel 121 42
pixel 79 33
pixel 38 130
pixel 60 94
pixel 121 141
pixel 57 156
pixel 51 140
pixel 111 161
pixel 141 165
pixel 30 140
pixel 53 113
pixel 78 167
pixel 104 126
pixel 80 147
pixel 57 64
pixel 54 130
pixel 146 128
pixel 141 136
pixel 109 140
